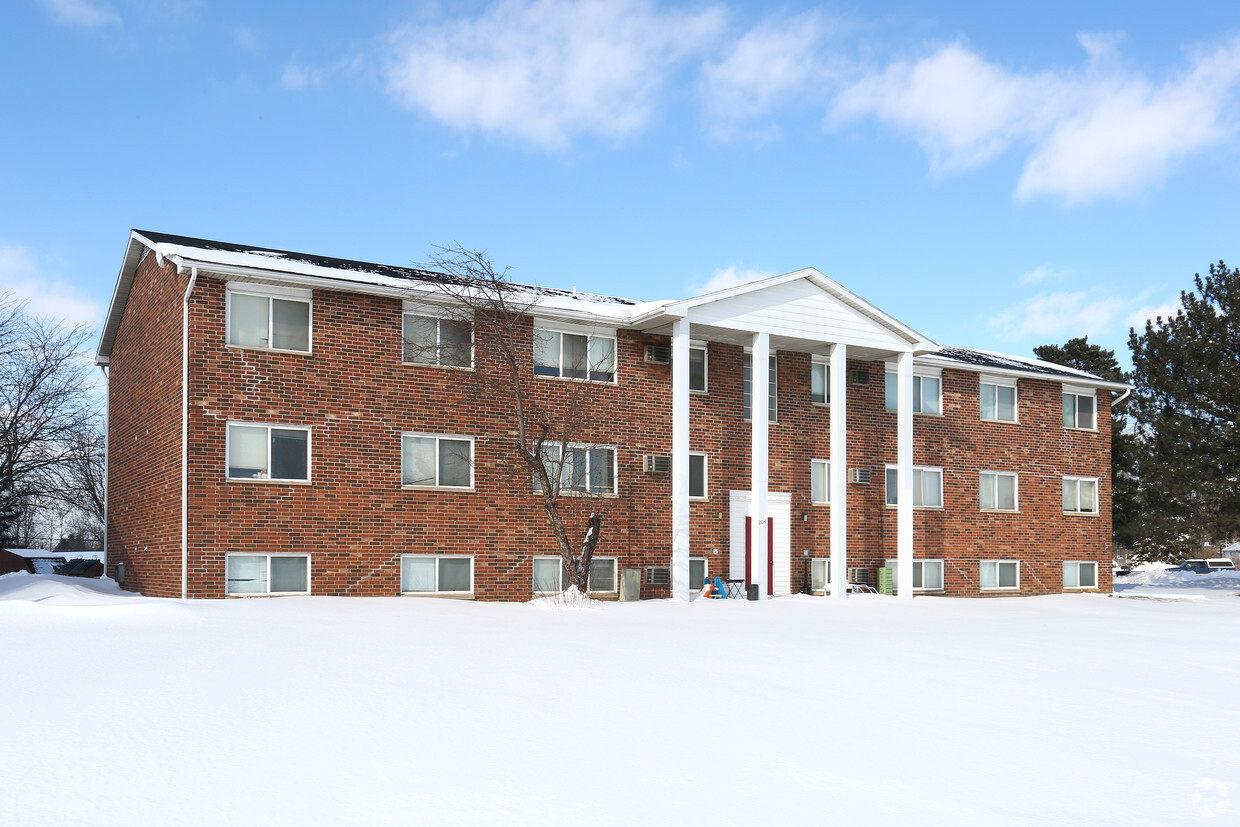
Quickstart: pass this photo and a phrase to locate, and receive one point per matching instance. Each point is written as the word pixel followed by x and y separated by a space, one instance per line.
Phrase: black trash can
pixel 752 590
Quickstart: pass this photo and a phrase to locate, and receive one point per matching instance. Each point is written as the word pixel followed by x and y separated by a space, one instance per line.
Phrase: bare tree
pixel 548 430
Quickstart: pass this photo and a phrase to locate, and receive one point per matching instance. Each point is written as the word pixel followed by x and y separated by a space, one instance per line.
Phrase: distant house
pixel 1232 551
pixel 288 423
pixel 32 560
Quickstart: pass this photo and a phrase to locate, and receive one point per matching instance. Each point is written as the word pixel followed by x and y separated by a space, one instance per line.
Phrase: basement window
pixel 437 574
pixel 267 574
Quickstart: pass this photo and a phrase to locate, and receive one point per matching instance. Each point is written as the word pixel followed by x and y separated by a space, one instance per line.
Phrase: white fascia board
pixel 993 371
pixel 120 295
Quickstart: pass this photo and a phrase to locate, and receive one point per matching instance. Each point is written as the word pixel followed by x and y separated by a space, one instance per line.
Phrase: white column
pixel 681 587
pixel 904 471
pixel 838 484
pixel 758 461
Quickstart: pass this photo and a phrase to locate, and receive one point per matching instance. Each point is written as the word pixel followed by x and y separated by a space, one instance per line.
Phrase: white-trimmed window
pixel 430 340
pixel 271 318
pixel 436 574
pixel 819 574
pixel 603 574
pixel 997 491
pixel 1080 408
pixel 1080 575
pixel 927 486
pixel 436 461
pixel 998 398
pixel 927 393
pixel 927 574
pixel 1080 495
pixel 267 452
pixel 820 481
pixel 587 469
pixel 698 572
pixel 819 382
pixel 574 355
pixel 772 388
pixel 999 574
pixel 698 382
pixel 697 476
pixel 548 575
pixel 267 574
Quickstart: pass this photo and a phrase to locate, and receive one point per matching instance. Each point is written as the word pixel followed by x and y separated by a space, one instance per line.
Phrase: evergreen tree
pixel 1187 377
pixel 1080 354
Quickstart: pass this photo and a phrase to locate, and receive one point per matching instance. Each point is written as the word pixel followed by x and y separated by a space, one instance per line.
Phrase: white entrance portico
pixel 803 312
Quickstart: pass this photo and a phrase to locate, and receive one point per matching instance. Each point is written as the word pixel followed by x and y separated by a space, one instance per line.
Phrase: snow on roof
pixel 1008 362
pixel 31 552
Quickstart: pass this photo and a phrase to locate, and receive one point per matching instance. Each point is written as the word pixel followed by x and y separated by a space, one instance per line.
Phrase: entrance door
pixel 770 553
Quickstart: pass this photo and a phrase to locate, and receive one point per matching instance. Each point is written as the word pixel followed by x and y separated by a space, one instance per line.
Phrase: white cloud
pixel 80 13
pixel 1041 273
pixel 1137 318
pixel 246 38
pixel 546 71
pixel 1094 132
pixel 21 281
pixel 726 277
pixel 1077 313
pixel 771 64
pixel 297 77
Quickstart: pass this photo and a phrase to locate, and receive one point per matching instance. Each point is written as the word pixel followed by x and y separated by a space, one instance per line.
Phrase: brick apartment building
pixel 283 423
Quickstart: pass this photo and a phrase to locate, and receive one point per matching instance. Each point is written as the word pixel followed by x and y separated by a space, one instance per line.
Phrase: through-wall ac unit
pixel 658 354
pixel 658 576
pixel 858 376
pixel 657 463
pixel 858 574
pixel 859 475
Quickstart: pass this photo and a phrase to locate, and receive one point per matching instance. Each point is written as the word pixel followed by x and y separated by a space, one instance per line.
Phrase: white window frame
pixel 994 475
pixel 815 561
pixel 996 587
pixel 437 558
pixel 577 446
pixel 919 472
pixel 772 387
pixel 228 426
pixel 705 495
pixel 268 555
pixel 615 575
pixel 435 314
pixel 269 292
pixel 997 382
pixel 700 347
pixel 824 363
pixel 438 471
pixel 1097 505
pixel 1078 564
pixel 587 332
pixel 825 464
pixel 890 402
pixel 705 561
pixel 919 570
pixel 1076 393
pixel 559 575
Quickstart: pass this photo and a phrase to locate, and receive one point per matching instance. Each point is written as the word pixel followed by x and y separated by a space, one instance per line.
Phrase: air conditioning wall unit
pixel 858 574
pixel 657 463
pixel 858 376
pixel 658 576
pixel 659 354
pixel 860 476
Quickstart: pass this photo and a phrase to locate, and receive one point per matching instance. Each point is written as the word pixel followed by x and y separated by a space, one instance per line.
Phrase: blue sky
pixel 994 175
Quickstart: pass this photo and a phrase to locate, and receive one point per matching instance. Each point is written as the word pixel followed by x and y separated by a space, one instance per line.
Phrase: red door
pixel 770 554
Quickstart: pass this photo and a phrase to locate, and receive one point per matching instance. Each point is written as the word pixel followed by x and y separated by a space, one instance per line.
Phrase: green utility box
pixel 886 580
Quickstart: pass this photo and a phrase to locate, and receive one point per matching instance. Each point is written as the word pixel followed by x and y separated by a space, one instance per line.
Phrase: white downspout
pixel 107 460
pixel 189 288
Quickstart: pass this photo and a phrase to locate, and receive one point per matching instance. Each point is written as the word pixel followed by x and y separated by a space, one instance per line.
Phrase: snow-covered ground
pixel 1071 709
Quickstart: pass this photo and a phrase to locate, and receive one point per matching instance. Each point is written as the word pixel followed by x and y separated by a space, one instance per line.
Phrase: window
pixel 267 574
pixel 267 452
pixel 432 341
pixel 1080 495
pixel 1079 409
pixel 431 461
pixel 925 393
pixel 1000 574
pixel 820 383
pixel 697 476
pixel 697 572
pixel 772 389
pixel 998 400
pixel 276 321
pixel 927 487
pixel 428 574
pixel 997 491
pixel 574 356
pixel 819 574
pixel 697 369
pixel 927 574
pixel 602 574
pixel 586 469
pixel 819 481
pixel 548 574
pixel 1080 575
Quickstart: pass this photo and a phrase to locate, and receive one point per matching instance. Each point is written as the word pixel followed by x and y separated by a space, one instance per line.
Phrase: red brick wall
pixel 144 434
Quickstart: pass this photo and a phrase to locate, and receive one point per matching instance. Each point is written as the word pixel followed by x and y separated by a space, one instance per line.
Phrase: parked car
pixel 1121 571
pixel 1206 566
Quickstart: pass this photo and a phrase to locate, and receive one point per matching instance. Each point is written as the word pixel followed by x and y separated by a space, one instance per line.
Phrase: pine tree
pixel 1187 377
